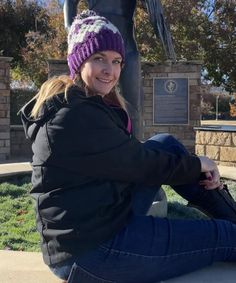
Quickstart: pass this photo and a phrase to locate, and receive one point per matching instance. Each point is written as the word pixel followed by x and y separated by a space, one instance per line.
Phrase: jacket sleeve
pixel 89 142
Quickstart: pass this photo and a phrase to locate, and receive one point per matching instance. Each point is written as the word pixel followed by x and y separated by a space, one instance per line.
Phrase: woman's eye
pixel 117 62
pixel 100 59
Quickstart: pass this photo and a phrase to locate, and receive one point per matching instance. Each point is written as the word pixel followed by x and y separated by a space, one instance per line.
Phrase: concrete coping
pixel 15 169
pixel 172 62
pixel 16 127
pixel 6 59
pixel 57 61
pixel 215 128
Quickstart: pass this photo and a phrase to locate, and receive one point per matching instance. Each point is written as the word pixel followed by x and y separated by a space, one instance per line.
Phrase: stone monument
pixel 121 13
pixel 172 94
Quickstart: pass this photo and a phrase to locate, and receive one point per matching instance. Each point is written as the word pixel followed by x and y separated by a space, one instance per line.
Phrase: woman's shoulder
pixel 76 106
pixel 75 95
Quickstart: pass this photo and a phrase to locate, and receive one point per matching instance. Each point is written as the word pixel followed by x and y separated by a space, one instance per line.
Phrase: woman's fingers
pixel 212 174
pixel 210 185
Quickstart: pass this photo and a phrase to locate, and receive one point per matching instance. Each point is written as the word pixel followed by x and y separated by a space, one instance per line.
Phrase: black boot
pixel 217 204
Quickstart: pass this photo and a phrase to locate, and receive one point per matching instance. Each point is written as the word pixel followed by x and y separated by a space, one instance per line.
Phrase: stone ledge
pixel 15 169
pixel 28 267
pixel 24 267
pixel 5 59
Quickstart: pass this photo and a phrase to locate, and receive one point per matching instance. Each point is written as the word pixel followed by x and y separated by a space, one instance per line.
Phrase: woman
pixel 94 182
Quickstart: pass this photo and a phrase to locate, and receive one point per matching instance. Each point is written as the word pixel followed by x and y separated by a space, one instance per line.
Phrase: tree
pixel 220 48
pixel 184 27
pixel 40 47
pixel 148 44
pixel 202 30
pixel 16 19
pixel 209 100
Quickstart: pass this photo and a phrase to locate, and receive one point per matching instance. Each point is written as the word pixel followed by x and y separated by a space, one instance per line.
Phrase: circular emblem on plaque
pixel 171 86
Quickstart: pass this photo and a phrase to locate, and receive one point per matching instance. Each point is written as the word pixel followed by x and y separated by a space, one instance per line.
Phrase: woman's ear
pixel 78 80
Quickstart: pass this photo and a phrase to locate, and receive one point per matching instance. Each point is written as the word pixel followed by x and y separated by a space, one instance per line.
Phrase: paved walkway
pixel 24 267
pixel 28 267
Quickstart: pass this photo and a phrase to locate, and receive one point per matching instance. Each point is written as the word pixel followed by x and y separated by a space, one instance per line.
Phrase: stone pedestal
pixel 5 108
pixel 190 70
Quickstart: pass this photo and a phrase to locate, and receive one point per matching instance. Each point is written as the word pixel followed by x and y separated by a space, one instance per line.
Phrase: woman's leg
pixel 152 249
pixel 143 198
pixel 170 144
pixel 215 203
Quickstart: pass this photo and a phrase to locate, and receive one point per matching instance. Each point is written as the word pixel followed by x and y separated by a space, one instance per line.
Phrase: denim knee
pixel 166 142
pixel 163 137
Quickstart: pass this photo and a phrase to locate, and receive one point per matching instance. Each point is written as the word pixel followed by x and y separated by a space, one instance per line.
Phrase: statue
pixel 232 105
pixel 120 13
pixel 158 22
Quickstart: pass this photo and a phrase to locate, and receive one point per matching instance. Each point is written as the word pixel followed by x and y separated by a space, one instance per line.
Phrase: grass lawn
pixel 177 205
pixel 17 219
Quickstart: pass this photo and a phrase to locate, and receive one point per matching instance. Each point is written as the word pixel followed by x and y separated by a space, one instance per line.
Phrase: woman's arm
pixel 91 143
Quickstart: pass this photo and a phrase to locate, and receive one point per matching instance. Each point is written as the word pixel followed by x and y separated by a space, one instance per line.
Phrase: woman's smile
pixel 101 71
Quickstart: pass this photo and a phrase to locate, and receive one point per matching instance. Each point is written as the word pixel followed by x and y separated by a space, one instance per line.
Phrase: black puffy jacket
pixel 85 167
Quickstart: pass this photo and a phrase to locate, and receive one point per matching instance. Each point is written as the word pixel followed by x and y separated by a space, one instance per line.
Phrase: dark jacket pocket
pixel 79 275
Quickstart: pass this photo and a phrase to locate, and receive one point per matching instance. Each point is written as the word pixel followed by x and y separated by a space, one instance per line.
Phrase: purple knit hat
pixel 90 33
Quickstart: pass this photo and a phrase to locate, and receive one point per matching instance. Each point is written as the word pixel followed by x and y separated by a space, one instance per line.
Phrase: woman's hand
pixel 212 180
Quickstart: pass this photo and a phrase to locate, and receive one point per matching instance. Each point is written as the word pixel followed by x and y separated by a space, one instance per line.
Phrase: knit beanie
pixel 91 33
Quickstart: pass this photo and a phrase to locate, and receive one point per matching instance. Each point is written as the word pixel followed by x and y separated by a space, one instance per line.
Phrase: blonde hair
pixel 61 84
pixel 50 88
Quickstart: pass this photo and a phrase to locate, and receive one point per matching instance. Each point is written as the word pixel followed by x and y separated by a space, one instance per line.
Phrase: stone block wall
pixel 190 70
pixel 5 108
pixel 217 145
pixel 20 146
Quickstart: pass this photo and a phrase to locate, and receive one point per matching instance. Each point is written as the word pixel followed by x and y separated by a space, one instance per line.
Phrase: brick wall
pixel 217 145
pixel 5 108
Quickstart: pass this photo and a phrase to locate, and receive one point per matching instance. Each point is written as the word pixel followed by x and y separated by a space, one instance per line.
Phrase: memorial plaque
pixel 171 101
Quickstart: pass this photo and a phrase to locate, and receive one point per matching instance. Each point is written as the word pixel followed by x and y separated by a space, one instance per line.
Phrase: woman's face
pixel 101 71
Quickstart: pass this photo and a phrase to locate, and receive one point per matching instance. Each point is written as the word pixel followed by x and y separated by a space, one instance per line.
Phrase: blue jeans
pixel 150 249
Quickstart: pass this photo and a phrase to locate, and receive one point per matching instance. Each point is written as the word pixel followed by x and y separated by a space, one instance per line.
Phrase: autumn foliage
pixel 33 31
